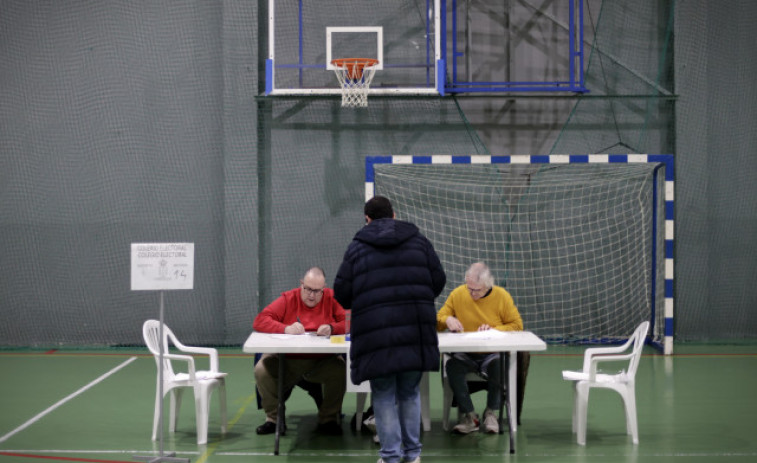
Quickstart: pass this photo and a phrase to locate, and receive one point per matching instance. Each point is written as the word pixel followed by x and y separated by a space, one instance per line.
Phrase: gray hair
pixel 480 273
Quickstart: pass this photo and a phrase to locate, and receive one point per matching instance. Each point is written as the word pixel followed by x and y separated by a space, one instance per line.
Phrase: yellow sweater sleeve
pixel 448 309
pixel 497 310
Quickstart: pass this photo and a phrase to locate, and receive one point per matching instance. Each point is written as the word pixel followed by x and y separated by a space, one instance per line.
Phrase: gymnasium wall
pixel 135 122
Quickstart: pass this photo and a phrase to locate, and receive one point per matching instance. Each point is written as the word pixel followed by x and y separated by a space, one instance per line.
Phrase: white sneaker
pixel 376 439
pixel 370 423
pixel 467 424
pixel 491 424
pixel 417 460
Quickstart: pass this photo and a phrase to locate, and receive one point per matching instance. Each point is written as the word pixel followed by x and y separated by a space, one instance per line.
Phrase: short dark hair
pixel 378 207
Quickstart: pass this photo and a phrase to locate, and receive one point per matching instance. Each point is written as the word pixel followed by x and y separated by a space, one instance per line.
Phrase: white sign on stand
pixel 159 266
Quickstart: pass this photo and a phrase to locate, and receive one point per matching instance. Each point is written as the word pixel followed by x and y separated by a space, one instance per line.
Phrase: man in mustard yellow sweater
pixel 475 306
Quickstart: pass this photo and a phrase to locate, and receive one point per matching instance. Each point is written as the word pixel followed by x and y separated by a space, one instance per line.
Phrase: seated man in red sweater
pixel 309 308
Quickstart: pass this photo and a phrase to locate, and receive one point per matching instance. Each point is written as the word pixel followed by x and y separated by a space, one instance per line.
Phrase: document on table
pixel 487 334
pixel 292 336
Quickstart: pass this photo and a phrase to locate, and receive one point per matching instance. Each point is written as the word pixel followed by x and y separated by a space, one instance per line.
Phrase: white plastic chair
pixel 622 382
pixel 201 382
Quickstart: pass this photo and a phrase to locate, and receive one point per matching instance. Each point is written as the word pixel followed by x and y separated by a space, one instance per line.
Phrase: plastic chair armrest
pixel 209 351
pixel 184 358
pixel 603 351
pixel 608 350
pixel 591 368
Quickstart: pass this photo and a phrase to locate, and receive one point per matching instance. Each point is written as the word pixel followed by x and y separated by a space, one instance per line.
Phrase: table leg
pixel 280 412
pixel 500 381
pixel 512 396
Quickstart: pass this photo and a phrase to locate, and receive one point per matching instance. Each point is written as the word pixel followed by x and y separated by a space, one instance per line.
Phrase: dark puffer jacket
pixel 389 278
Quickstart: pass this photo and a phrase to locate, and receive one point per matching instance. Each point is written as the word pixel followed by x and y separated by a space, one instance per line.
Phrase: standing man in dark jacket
pixel 389 278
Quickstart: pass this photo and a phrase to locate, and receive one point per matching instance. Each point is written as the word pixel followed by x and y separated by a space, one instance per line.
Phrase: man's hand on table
pixel 294 328
pixel 454 325
pixel 299 328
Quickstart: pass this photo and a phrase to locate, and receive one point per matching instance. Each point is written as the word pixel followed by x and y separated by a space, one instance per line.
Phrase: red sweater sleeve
pixel 274 318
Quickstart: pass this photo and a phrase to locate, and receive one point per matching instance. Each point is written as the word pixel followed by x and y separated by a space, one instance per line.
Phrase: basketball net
pixel 355 76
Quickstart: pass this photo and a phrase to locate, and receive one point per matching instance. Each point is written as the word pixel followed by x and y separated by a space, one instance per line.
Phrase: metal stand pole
pixel 161 456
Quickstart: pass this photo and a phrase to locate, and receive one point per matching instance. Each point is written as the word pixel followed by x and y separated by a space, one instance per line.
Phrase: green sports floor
pixel 97 405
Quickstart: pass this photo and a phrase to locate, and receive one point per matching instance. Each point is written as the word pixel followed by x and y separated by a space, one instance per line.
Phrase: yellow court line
pixel 212 447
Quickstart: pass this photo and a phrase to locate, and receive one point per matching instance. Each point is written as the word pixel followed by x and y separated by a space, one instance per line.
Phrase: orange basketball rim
pixel 353 67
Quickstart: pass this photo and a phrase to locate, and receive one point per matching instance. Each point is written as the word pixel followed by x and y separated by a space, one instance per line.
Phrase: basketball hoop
pixel 355 76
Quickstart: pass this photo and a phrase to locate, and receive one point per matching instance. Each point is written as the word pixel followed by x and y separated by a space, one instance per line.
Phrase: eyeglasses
pixel 311 291
pixel 477 290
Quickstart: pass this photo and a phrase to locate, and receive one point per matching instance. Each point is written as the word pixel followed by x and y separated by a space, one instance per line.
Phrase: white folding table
pixel 281 344
pixel 502 342
pixel 485 341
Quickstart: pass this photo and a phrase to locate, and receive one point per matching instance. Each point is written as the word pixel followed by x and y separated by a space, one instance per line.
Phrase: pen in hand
pixel 301 324
pixel 295 328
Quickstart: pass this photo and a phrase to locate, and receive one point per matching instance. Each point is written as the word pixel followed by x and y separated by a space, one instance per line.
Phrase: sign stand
pixel 161 266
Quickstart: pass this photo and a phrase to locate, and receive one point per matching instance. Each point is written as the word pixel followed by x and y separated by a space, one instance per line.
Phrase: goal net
pixel 579 245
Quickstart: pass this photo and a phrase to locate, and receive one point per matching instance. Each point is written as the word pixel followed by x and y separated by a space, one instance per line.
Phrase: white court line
pixel 369 453
pixel 96 452
pixel 64 400
pixel 581 456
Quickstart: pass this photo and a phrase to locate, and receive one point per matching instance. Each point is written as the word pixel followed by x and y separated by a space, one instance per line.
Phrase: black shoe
pixel 330 428
pixel 269 427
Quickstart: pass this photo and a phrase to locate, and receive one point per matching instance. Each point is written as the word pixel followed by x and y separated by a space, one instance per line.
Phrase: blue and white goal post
pixel 583 242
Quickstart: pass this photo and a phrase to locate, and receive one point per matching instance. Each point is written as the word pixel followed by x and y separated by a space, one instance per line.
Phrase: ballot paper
pixel 486 334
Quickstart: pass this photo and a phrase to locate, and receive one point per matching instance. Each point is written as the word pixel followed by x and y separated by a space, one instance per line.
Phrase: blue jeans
pixel 397 408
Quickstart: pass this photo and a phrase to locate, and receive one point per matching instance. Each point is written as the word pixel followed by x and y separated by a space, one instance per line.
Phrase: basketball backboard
pixel 305 35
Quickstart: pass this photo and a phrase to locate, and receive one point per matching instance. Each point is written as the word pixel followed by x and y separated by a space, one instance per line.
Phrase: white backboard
pixel 304 35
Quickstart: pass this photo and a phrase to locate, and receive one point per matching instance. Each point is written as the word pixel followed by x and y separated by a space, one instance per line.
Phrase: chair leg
pixel 175 408
pixel 359 407
pixel 629 403
pixel 574 424
pixel 582 406
pixel 202 404
pixel 222 399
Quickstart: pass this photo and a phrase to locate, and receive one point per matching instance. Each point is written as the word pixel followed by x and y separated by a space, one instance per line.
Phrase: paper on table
pixel 488 334
pixel 290 336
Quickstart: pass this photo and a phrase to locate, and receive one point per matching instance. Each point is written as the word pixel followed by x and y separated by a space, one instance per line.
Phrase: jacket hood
pixel 386 232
